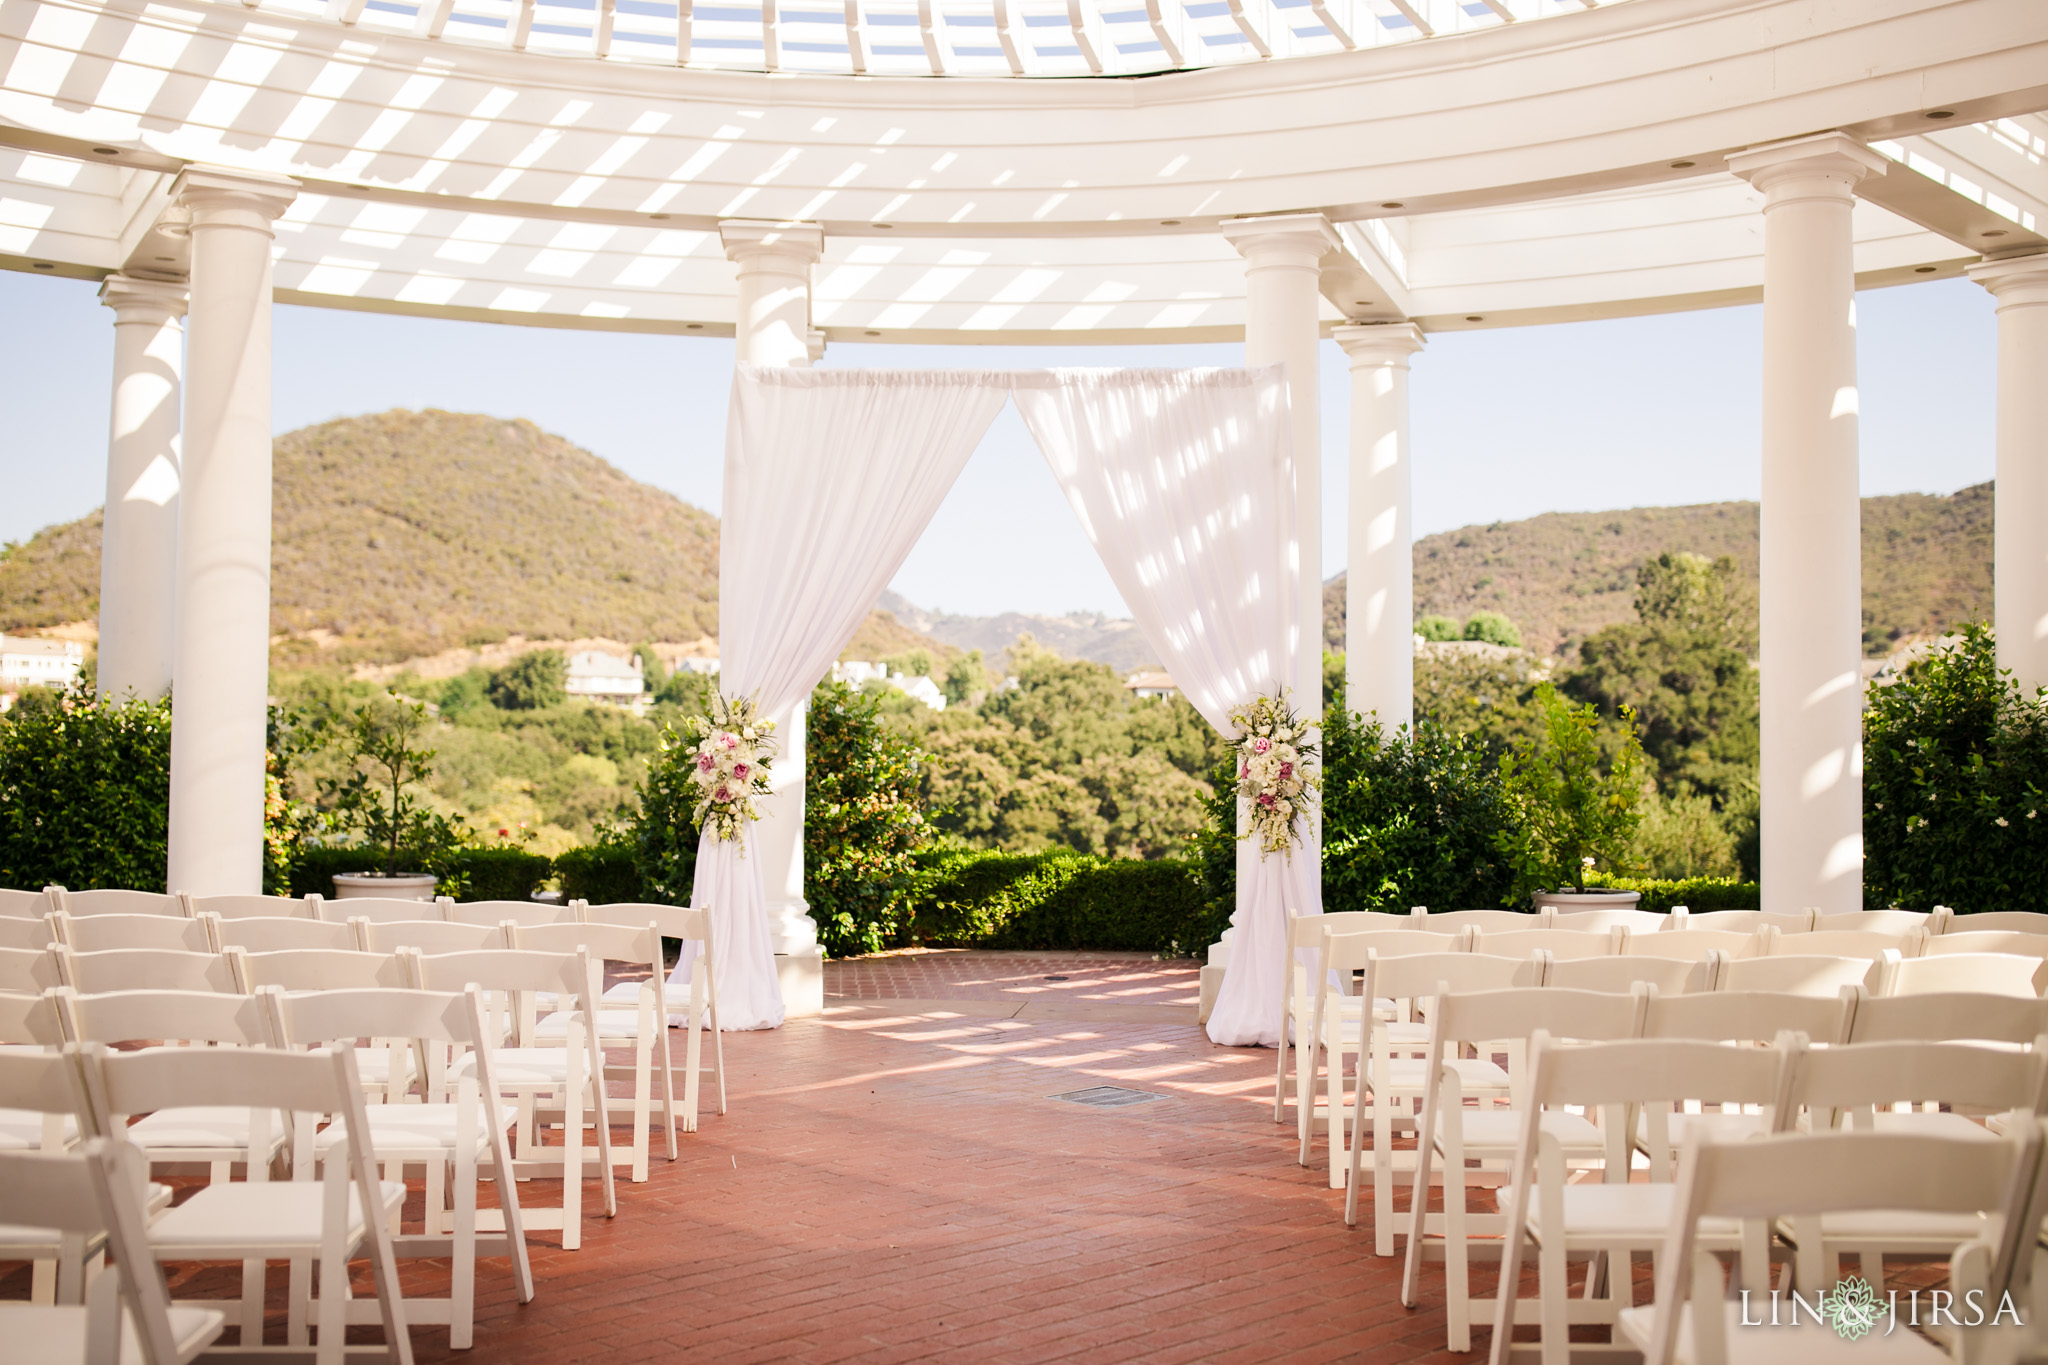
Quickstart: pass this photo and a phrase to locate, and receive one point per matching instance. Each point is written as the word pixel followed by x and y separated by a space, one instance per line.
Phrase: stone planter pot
pixel 405 887
pixel 1566 902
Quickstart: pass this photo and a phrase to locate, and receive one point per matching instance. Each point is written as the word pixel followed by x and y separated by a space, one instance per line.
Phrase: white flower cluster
pixel 733 752
pixel 1276 777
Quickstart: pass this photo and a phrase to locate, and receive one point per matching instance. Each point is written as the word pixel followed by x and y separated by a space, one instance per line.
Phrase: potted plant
pixel 378 801
pixel 1575 816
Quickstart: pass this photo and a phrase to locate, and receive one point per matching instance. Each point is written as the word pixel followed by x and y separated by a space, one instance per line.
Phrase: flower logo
pixel 1853 1309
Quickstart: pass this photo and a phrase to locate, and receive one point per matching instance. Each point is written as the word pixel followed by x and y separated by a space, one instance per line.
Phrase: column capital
pixel 2015 281
pixel 750 239
pixel 137 300
pixel 220 196
pixel 1822 165
pixel 1282 238
pixel 1380 343
pixel 814 345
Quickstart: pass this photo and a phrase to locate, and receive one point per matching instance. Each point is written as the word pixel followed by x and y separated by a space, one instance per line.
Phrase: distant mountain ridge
pixel 1112 640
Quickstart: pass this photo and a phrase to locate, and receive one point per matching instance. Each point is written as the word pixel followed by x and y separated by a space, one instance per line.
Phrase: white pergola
pixel 791 174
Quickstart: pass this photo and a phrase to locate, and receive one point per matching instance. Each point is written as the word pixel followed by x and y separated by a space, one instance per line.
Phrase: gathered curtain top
pixel 1096 377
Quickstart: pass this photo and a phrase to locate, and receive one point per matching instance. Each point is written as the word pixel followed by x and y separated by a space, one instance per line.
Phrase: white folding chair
pixel 267 935
pixel 450 1140
pixel 495 913
pixel 1963 973
pixel 253 907
pixel 1799 975
pixel 1694 944
pixel 1994 921
pixel 387 1072
pixel 107 933
pixel 23 904
pixel 1609 1221
pixel 569 1078
pixel 39 1107
pixel 1855 1087
pixel 142 969
pixel 1753 1017
pixel 383 909
pixel 1485 1021
pixel 27 935
pixel 28 972
pixel 1800 1176
pixel 96 1194
pixel 1600 921
pixel 1620 975
pixel 1841 943
pixel 1952 1017
pixel 330 1221
pixel 1563 945
pixel 428 936
pixel 1747 921
pixel 1486 921
pixel 1886 921
pixel 697 994
pixel 114 902
pixel 1986 941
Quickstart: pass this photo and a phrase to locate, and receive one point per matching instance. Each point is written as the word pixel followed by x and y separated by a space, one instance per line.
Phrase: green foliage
pixel 1212 849
pixel 862 819
pixel 85 794
pixel 661 829
pixel 291 824
pixel 604 873
pixel 916 663
pixel 377 796
pixel 689 692
pixel 1490 627
pixel 1700 894
pixel 500 872
pixel 1571 814
pixel 1683 836
pixel 967 680
pixel 1955 785
pixel 1490 696
pixel 652 675
pixel 535 681
pixel 1061 900
pixel 1411 818
pixel 1437 628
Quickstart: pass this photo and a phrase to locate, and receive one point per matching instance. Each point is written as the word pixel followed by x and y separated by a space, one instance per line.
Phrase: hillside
pixel 1564 575
pixel 405 534
pixel 1082 635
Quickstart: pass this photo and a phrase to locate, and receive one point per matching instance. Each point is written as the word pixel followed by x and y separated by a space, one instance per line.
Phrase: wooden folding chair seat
pixel 254 907
pixel 452 1141
pixel 260 934
pixel 691 988
pixel 93 1195
pixel 24 904
pixel 1608 1221
pixel 1485 1021
pixel 1753 1017
pixel 39 1107
pixel 114 902
pixel 332 1220
pixel 110 933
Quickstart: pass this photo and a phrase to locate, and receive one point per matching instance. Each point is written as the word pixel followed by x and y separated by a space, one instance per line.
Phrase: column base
pixel 1212 986
pixel 801 974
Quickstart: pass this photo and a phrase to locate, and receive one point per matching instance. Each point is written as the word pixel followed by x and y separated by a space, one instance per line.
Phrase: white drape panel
pixel 1184 482
pixel 830 478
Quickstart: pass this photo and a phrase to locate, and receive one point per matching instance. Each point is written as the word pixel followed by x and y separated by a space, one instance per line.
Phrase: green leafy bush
pixel 863 815
pixel 1571 816
pixel 1699 894
pixel 534 681
pixel 604 873
pixel 85 793
pixel 377 796
pixel 966 897
pixel 1411 818
pixel 661 830
pixel 1490 627
pixel 496 872
pixel 1955 785
pixel 1437 628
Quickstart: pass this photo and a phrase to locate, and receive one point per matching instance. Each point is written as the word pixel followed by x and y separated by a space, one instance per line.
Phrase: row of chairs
pixel 1941 920
pixel 184 905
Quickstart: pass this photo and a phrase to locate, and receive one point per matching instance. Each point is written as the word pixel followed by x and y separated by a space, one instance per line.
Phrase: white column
pixel 1282 324
pixel 1811 609
pixel 222 650
pixel 139 529
pixel 1379 566
pixel 773 327
pixel 2020 553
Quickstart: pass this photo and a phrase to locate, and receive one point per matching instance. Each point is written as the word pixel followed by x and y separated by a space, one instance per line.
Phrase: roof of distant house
pixel 1153 681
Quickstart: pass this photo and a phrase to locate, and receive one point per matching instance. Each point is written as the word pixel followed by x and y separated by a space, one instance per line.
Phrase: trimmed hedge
pixel 479 874
pixel 965 898
pixel 603 874
pixel 1694 893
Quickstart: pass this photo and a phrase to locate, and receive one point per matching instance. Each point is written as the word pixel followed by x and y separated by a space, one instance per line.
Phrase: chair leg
pixel 462 1270
pixel 333 1309
pixel 643 1105
pixel 1555 1310
pixel 299 1293
pixel 572 1162
pixel 693 1056
pixel 252 1302
pixel 1457 1263
pixel 664 1057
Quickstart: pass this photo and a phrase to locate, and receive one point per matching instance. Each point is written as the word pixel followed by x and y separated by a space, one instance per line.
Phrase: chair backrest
pixel 383 909
pixel 1949 973
pixel 1561 944
pixel 1861 1076
pixel 1726 1016
pixel 1747 921
pixel 1693 945
pixel 264 935
pixel 604 942
pixel 40 1083
pixel 143 969
pixel 505 969
pixel 102 933
pixel 262 1080
pixel 1514 1015
pixel 1306 931
pixel 1670 975
pixel 1799 974
pixel 27 971
pixel 23 904
pixel 1486 921
pixel 1660 1071
pixel 1997 921
pixel 429 936
pixel 28 1021
pixel 1425 975
pixel 99 1189
pixel 1949 1017
pixel 1885 921
pixel 22 933
pixel 253 907
pixel 156 1016
pixel 318 969
pixel 1842 943
pixel 342 1016
pixel 1986 941
pixel 495 913
pixel 677 921
pixel 1600 921
pixel 116 902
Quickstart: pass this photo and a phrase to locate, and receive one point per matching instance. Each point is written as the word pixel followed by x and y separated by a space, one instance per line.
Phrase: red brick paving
pixel 974 974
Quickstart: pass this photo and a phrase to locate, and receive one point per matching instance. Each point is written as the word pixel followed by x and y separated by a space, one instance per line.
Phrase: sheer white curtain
pixel 830 477
pixel 1184 482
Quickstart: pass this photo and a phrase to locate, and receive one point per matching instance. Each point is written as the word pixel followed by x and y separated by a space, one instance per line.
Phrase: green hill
pixel 1564 575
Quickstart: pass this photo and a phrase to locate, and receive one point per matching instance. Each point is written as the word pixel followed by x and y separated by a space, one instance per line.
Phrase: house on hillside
pixel 597 676
pixel 29 661
pixel 1150 684
pixel 917 687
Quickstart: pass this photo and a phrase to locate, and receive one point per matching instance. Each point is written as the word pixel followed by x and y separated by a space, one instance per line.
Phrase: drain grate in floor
pixel 1108 1096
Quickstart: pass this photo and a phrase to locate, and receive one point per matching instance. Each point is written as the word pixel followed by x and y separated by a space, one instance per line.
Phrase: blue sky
pixel 1507 423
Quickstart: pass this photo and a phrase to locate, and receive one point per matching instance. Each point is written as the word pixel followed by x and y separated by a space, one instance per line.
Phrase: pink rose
pixel 730 742
pixel 704 762
pixel 739 770
pixel 1286 771
pixel 1266 801
pixel 1245 771
pixel 722 794
pixel 1260 745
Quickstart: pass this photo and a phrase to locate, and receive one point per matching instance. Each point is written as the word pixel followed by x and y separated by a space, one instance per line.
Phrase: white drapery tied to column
pixel 830 478
pixel 1184 482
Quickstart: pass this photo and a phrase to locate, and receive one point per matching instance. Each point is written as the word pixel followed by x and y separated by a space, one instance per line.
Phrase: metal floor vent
pixel 1108 1096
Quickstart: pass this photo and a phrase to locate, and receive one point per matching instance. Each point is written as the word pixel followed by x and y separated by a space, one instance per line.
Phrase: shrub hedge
pixel 85 793
pixel 477 874
pixel 603 874
pixel 1060 899
pixel 1694 893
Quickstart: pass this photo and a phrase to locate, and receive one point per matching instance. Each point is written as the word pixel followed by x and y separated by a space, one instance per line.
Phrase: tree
pixel 863 816
pixel 652 674
pixel 1571 815
pixel 1490 627
pixel 1437 628
pixel 966 681
pixel 378 798
pixel 534 681
pixel 912 663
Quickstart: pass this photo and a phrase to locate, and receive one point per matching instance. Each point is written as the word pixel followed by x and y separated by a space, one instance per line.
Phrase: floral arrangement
pixel 1276 777
pixel 731 768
